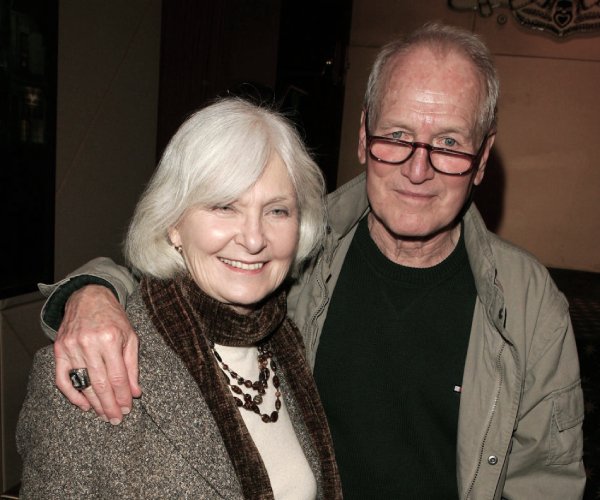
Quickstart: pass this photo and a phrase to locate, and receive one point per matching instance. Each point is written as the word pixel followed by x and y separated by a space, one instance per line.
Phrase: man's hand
pixel 95 334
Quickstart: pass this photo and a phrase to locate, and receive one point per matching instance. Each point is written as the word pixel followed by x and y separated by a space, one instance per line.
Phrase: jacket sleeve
pixel 99 271
pixel 60 445
pixel 547 447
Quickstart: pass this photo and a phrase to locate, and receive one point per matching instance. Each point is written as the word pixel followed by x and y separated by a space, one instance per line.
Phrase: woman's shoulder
pixel 162 372
pixel 136 309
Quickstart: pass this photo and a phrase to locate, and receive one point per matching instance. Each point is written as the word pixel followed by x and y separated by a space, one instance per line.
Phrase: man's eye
pixel 448 142
pixel 396 135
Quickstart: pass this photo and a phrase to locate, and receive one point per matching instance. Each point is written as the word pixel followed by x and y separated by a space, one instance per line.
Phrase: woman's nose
pixel 251 235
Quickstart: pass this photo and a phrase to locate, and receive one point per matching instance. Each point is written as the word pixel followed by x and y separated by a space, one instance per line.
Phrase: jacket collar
pixel 484 269
pixel 348 204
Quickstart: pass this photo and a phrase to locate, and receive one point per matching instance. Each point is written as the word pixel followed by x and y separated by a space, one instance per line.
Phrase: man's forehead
pixel 432 82
pixel 425 65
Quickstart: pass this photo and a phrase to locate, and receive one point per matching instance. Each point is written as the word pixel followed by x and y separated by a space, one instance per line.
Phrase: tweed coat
pixel 169 446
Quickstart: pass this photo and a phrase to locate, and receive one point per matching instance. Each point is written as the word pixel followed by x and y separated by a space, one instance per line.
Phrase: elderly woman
pixel 229 408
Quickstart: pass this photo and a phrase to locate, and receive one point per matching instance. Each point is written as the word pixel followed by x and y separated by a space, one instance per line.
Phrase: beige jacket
pixel 521 412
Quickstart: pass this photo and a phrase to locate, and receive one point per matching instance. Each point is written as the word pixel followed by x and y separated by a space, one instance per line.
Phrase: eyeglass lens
pixel 394 152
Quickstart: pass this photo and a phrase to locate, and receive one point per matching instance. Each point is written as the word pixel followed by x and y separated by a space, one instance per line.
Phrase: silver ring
pixel 80 378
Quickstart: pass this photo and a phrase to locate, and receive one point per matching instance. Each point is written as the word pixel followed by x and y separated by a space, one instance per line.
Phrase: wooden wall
pixel 542 188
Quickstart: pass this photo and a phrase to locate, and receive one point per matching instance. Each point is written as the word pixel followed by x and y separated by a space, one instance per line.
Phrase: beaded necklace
pixel 236 381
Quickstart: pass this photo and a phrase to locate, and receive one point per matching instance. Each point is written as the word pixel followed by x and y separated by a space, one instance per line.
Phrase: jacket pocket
pixel 566 437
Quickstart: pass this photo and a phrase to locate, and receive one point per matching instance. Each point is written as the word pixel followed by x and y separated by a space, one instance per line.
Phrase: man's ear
pixel 484 158
pixel 362 140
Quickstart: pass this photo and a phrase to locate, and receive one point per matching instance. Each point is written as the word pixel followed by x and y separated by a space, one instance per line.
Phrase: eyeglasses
pixel 442 160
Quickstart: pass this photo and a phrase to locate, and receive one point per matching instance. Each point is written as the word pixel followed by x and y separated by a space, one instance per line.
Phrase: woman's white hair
pixel 216 155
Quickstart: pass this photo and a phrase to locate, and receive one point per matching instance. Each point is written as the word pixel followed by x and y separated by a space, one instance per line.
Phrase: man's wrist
pixel 54 309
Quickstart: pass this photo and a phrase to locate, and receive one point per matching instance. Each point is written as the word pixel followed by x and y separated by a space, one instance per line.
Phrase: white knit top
pixel 289 472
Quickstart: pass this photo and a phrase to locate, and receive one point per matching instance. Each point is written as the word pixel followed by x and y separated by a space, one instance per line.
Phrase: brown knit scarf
pixel 187 319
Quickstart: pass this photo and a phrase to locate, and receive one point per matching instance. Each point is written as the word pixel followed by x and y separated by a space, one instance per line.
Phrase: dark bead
pixel 266 365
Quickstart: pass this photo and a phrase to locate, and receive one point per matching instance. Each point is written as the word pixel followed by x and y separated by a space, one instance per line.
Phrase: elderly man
pixel 444 356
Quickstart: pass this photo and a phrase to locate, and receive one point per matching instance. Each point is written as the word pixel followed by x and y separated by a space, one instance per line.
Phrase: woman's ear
pixel 174 236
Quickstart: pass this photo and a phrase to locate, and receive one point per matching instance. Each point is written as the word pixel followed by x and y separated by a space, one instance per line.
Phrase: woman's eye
pixel 396 135
pixel 280 212
pixel 223 208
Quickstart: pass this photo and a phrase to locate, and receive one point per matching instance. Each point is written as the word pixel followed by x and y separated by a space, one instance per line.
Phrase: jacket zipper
pixel 489 426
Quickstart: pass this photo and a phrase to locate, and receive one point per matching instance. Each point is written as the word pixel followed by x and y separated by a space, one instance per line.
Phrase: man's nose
pixel 418 169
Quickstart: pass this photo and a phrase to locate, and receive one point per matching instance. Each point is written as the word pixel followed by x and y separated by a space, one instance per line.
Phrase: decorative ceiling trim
pixel 562 18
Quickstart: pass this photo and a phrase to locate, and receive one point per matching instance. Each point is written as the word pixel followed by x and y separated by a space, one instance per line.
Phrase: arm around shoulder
pixel 100 271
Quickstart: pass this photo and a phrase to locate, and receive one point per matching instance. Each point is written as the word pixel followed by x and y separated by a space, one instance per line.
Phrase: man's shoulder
pixel 349 192
pixel 505 257
pixel 524 278
pixel 347 205
pixel 517 271
pixel 511 254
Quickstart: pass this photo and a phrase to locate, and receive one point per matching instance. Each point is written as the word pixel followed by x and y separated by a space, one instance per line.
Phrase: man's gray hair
pixel 444 38
pixel 216 155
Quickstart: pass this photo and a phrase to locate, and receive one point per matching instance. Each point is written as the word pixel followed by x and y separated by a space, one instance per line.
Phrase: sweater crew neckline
pixel 417 277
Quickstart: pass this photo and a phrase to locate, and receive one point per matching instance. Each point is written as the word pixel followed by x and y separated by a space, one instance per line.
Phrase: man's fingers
pixel 95 334
pixel 63 382
pixel 102 397
pixel 130 357
pixel 93 400
pixel 118 382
